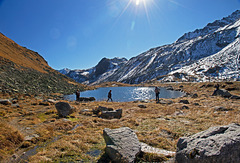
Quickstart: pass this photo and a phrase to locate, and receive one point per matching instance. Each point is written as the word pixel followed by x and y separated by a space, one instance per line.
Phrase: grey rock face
pixel 111 114
pixel 222 92
pixel 5 102
pixel 64 109
pixel 122 144
pixel 101 109
pixel 217 144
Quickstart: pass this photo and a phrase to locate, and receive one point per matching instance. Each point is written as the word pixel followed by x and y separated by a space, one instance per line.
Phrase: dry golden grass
pixel 10 138
pixel 21 56
pixel 159 125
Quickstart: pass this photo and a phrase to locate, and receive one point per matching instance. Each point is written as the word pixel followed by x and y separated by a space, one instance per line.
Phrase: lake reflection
pixel 125 94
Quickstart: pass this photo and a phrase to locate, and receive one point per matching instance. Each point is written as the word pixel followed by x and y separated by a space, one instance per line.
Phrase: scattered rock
pixel 122 144
pixel 87 99
pixel 101 109
pixel 222 93
pixel 161 152
pixel 111 114
pixel 196 104
pixel 179 113
pixel 235 97
pixel 231 89
pixel 64 109
pixel 195 95
pixel 5 102
pixel 16 105
pixel 142 106
pixel 209 85
pixel 184 101
pixel 145 101
pixel 45 103
pixel 85 110
pixel 166 102
pixel 221 108
pixel 51 101
pixel 184 107
pixel 229 83
pixel 30 137
pixel 217 144
pixel 169 88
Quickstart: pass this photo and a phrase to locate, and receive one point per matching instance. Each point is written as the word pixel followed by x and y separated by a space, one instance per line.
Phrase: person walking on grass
pixel 157 92
pixel 109 96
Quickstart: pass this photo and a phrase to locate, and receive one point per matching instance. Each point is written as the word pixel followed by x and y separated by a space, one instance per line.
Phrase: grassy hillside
pixel 25 71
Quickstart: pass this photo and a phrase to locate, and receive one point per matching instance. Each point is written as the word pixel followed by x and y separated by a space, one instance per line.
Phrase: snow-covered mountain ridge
pixel 191 48
pixel 208 53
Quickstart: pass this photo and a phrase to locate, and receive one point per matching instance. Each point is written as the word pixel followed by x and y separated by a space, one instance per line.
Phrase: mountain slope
pixel 97 74
pixel 187 50
pixel 25 71
pixel 177 61
pixel 222 65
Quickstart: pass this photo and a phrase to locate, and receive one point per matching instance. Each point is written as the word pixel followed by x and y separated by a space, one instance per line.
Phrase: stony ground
pixel 32 121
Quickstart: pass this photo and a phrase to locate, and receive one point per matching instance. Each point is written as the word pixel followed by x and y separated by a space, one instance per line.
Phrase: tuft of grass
pixel 10 138
pixel 149 157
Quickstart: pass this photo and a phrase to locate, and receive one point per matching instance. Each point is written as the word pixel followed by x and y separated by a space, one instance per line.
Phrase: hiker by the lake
pixel 217 86
pixel 157 92
pixel 78 95
pixel 109 96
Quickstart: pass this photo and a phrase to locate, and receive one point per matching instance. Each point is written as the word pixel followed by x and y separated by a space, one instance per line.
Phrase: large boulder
pixel 111 114
pixel 64 109
pixel 122 144
pixel 222 93
pixel 217 144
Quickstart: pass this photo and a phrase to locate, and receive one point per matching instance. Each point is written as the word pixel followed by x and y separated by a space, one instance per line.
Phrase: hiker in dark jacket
pixel 78 95
pixel 157 92
pixel 109 95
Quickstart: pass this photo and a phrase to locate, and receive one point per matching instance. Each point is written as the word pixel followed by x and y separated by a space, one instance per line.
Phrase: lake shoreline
pixel 128 94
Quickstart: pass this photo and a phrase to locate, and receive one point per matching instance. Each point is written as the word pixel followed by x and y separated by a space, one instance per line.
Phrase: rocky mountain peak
pixel 211 27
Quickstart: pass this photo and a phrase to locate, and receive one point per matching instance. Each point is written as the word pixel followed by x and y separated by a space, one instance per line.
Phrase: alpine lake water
pixel 126 94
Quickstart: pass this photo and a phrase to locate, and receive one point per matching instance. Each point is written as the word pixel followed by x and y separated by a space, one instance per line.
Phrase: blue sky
pixel 77 34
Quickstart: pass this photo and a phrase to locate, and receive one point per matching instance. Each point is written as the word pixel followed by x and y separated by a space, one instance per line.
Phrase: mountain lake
pixel 126 94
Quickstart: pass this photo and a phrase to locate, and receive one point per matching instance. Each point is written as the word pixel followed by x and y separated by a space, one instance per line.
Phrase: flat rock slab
pixel 217 144
pixel 122 144
pixel 149 149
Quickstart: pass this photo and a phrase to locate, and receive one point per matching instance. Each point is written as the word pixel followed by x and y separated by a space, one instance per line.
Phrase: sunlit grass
pixel 159 125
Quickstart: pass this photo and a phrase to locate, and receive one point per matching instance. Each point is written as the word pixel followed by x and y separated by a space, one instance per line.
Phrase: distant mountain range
pixel 210 53
pixel 105 68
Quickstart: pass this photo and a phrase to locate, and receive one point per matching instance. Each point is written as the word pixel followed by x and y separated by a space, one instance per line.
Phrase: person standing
pixel 78 95
pixel 109 95
pixel 157 92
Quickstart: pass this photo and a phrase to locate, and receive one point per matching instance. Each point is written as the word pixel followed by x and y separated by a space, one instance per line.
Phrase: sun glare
pixel 138 2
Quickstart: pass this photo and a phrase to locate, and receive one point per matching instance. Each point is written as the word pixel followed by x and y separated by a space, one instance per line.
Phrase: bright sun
pixel 137 2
